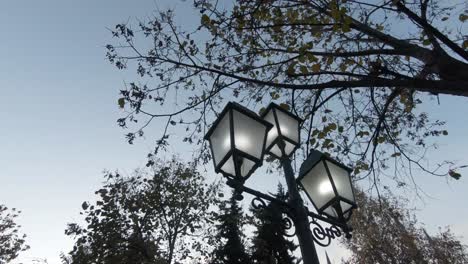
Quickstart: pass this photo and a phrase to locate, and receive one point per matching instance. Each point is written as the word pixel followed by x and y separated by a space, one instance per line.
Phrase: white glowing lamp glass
pixel 327 183
pixel 237 140
pixel 285 130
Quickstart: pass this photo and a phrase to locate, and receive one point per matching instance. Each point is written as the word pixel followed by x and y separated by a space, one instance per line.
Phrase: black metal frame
pixel 274 107
pixel 315 158
pixel 236 154
pixel 295 214
pixel 321 235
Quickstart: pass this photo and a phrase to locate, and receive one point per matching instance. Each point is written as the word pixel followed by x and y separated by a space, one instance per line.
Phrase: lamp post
pixel 239 139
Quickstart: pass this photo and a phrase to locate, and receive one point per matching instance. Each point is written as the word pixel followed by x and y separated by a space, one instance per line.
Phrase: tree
pixel 355 71
pixel 230 248
pixel 387 232
pixel 12 242
pixel 145 218
pixel 269 243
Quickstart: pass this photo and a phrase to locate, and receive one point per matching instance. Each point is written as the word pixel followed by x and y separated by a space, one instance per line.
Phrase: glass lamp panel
pixel 289 148
pixel 246 167
pixel 345 206
pixel 289 126
pixel 220 140
pixel 273 133
pixel 341 179
pixel 318 186
pixel 228 167
pixel 249 134
pixel 276 150
pixel 331 212
pixel 347 215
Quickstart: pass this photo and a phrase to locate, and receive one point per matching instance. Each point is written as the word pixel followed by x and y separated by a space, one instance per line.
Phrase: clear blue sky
pixel 58 109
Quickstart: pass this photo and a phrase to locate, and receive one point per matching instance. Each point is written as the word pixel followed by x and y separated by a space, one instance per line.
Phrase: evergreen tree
pixel 230 248
pixel 269 244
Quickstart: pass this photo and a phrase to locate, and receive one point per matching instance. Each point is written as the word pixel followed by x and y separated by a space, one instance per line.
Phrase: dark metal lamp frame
pixel 237 155
pixel 315 157
pixel 306 224
pixel 274 108
pixel 322 235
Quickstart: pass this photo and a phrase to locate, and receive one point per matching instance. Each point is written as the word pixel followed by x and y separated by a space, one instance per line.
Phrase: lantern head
pixel 285 133
pixel 327 183
pixel 237 140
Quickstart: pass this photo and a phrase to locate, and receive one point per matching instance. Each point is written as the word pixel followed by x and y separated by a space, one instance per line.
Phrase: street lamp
pixel 285 133
pixel 239 139
pixel 327 183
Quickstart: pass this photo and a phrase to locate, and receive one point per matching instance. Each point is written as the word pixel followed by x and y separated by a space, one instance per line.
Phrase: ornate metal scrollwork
pixel 287 224
pixel 258 203
pixel 323 235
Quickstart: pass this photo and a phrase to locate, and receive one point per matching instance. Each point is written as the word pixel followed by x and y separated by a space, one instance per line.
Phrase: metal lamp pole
pixel 239 139
pixel 301 220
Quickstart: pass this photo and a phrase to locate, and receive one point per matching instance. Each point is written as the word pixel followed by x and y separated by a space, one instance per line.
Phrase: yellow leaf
pixel 316 67
pixel 343 67
pixel 284 106
pixel 463 17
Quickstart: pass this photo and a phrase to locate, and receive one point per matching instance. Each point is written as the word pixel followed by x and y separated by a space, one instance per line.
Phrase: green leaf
pixel 121 102
pixel 275 95
pixel 454 174
pixel 362 133
pixel 291 70
pixel 261 111
pixel 205 20
pixel 313 141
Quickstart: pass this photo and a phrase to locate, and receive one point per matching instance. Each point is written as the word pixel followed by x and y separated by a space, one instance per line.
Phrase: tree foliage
pixel 230 239
pixel 270 246
pixel 355 71
pixel 387 232
pixel 156 217
pixel 12 242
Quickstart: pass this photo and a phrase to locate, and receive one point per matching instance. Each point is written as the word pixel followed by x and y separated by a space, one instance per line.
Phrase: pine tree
pixel 269 244
pixel 231 248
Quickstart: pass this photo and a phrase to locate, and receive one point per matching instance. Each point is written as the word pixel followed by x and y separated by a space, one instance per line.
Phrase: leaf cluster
pixel 346 67
pixel 12 242
pixel 151 217
pixel 385 231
